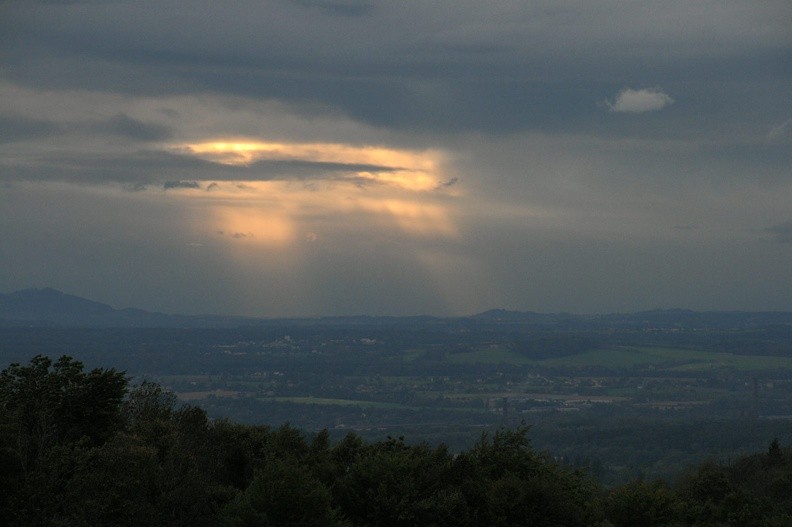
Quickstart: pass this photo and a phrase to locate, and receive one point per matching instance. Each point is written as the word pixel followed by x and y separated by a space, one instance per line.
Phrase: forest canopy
pixel 85 448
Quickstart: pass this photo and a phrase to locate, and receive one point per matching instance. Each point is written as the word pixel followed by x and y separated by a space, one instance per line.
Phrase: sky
pixel 335 157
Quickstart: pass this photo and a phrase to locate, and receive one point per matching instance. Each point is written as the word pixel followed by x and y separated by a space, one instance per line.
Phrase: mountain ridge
pixel 51 307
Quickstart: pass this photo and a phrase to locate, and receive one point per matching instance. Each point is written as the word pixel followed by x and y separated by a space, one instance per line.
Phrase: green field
pixel 676 359
pixel 489 356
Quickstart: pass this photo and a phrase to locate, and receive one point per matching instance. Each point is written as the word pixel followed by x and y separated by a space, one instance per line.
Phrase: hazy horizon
pixel 490 310
pixel 341 157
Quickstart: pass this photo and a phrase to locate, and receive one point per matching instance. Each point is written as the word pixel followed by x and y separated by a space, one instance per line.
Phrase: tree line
pixel 84 448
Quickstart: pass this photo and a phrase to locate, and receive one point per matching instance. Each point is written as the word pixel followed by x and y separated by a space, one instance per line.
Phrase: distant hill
pixel 52 308
pixel 645 320
pixel 531 317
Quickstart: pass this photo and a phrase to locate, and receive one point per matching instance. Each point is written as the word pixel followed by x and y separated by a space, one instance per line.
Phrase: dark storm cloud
pixel 15 128
pixel 141 168
pixel 236 235
pixel 300 169
pixel 448 183
pixel 125 126
pixel 180 184
pixel 461 66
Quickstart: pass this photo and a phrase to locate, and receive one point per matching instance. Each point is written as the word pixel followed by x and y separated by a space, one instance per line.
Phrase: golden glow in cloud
pixel 411 170
pixel 409 197
pixel 251 224
pixel 279 213
pixel 417 218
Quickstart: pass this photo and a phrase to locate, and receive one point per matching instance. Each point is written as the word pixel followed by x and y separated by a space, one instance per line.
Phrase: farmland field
pixel 674 359
pixel 678 359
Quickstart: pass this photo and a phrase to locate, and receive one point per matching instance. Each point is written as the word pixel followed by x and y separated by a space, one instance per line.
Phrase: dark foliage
pixel 83 448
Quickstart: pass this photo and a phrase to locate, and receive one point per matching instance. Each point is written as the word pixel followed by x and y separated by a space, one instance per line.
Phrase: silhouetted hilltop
pixel 667 319
pixel 50 307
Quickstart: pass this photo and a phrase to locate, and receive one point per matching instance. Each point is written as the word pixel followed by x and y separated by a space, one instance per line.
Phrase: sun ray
pixel 392 190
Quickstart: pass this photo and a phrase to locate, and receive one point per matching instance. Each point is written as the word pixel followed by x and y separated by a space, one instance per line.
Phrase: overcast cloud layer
pixel 313 157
